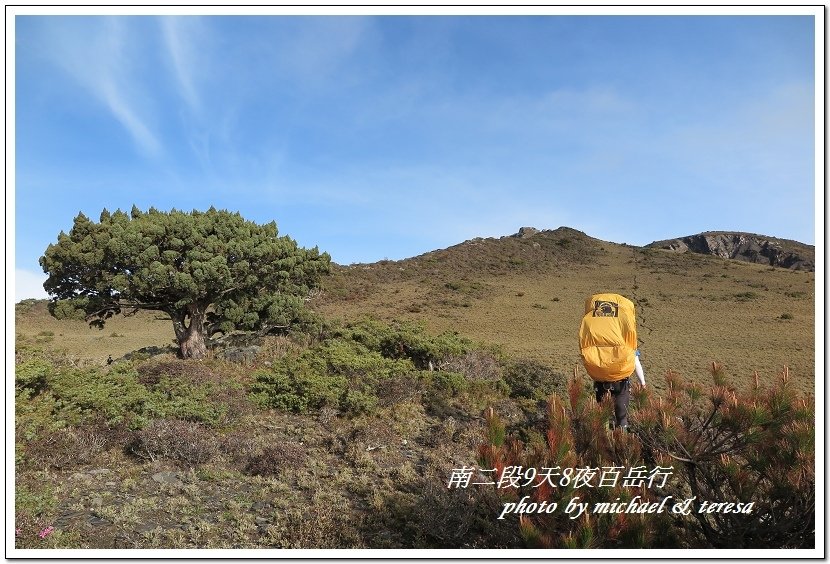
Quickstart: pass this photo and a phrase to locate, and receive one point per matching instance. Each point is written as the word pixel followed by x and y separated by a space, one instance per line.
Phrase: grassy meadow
pixel 336 440
pixel 692 309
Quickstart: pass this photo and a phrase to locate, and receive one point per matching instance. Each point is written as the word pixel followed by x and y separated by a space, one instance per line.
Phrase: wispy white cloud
pixel 178 33
pixel 94 53
pixel 112 95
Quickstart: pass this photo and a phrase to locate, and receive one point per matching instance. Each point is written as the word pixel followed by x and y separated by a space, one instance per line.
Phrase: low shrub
pixel 180 398
pixel 711 445
pixel 406 341
pixel 277 458
pixel 400 389
pixel 363 365
pixel 116 395
pixel 446 384
pixel 32 376
pixel 295 386
pixel 429 515
pixel 66 448
pixel 475 365
pixel 337 373
pixel 238 445
pixel 531 379
pixel 184 442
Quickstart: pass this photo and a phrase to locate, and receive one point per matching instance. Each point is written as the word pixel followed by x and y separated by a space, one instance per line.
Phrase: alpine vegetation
pixel 208 271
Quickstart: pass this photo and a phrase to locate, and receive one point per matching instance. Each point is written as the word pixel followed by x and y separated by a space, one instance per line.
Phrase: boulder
pixel 241 355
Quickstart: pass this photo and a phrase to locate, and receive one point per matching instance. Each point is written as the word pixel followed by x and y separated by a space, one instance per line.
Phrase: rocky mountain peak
pixel 748 247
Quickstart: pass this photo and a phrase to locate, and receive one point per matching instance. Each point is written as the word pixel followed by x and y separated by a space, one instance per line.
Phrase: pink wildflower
pixel 46 532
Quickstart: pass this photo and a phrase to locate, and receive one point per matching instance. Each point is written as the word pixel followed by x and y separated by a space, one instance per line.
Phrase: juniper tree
pixel 208 271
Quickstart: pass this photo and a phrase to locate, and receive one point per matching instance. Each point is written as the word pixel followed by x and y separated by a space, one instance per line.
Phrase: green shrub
pixel 337 373
pixel 34 508
pixel 358 363
pixel 531 379
pixel 356 402
pixel 175 397
pixel 355 364
pixel 293 386
pixel 115 395
pixel 33 375
pixel 406 340
pixel 447 384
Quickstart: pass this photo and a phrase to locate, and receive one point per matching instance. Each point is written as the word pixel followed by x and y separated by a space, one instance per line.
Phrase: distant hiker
pixel 608 345
pixel 110 360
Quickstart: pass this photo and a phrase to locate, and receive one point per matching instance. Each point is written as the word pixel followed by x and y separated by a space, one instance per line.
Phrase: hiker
pixel 608 345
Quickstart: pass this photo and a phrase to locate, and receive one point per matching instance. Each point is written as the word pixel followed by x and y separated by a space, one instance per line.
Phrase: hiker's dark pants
pixel 620 392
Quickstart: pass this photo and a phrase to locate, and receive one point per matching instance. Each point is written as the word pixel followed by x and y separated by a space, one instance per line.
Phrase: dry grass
pixel 377 480
pixel 528 300
pixel 77 340
pixel 692 310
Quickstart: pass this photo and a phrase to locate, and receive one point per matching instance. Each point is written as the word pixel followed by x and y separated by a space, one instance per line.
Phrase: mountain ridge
pixel 733 245
pixel 747 247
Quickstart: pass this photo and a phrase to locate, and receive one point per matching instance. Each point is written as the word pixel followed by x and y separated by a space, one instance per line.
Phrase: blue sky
pixel 387 137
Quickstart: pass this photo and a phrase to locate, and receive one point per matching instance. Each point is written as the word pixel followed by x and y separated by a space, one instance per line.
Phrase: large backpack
pixel 608 337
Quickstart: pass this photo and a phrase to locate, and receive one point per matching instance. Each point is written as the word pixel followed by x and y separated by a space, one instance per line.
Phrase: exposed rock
pixel 525 232
pixel 747 247
pixel 241 355
pixel 239 346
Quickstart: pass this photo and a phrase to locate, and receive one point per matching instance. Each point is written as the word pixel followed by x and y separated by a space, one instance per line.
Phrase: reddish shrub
pixel 185 442
pixel 275 459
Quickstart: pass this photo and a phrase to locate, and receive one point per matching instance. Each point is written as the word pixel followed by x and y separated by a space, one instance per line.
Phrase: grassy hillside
pixel 527 295
pixel 346 439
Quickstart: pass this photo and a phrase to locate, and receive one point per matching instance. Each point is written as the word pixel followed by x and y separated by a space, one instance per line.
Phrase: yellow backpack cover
pixel 608 337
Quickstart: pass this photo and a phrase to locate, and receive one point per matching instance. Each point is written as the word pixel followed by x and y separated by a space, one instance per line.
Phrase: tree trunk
pixel 191 338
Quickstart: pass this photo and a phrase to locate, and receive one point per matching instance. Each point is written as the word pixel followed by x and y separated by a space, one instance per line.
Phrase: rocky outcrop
pixel 525 232
pixel 748 247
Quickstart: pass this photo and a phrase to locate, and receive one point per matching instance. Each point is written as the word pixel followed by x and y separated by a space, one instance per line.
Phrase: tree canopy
pixel 209 271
